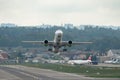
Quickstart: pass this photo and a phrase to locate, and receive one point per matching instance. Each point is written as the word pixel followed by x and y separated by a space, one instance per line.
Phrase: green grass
pixel 89 71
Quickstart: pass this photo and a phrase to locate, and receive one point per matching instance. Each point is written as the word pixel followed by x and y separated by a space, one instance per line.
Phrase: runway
pixel 17 72
pixel 107 65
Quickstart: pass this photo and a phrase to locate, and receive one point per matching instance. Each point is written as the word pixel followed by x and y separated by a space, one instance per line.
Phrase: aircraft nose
pixel 59 32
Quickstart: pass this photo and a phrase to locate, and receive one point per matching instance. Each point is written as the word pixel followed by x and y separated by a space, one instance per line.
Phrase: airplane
pixel 80 62
pixel 57 43
pixel 108 61
pixel 113 61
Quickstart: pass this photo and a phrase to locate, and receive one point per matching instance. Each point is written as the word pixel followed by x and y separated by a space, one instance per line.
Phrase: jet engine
pixel 69 43
pixel 46 42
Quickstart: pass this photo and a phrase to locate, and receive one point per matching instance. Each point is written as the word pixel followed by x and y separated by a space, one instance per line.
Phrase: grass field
pixel 90 71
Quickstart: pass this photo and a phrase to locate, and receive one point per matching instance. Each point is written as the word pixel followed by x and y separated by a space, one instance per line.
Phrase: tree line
pixel 103 38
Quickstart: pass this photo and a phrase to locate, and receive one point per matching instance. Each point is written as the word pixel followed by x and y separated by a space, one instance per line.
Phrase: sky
pixel 57 12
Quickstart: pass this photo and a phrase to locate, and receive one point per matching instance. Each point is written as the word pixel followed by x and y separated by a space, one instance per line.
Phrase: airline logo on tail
pixel 89 58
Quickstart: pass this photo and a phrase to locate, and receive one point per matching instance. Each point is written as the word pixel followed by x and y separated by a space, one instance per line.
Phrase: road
pixel 17 72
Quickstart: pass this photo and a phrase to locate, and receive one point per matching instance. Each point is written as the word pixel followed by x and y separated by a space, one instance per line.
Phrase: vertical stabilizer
pixel 89 58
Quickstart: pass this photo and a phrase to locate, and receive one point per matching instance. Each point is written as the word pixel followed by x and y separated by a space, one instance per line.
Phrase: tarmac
pixel 18 72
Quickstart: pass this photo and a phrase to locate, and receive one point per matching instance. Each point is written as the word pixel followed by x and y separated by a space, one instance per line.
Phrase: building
pixel 113 53
pixel 3 55
pixel 8 25
pixel 68 26
pixel 73 55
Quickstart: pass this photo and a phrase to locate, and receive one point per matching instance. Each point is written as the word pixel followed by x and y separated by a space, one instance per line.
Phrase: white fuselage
pixel 57 40
pixel 79 61
pixel 112 61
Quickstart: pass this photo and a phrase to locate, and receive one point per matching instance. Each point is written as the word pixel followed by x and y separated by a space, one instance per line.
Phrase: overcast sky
pixel 56 12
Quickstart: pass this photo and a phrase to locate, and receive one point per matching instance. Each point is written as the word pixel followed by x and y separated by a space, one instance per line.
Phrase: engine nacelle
pixel 46 42
pixel 69 43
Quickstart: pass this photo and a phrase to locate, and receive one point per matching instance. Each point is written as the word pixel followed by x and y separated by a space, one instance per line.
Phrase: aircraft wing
pixel 63 43
pixel 78 43
pixel 66 43
pixel 41 42
pixel 50 43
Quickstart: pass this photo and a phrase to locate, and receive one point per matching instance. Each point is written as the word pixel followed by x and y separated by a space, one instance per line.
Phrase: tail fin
pixel 89 58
